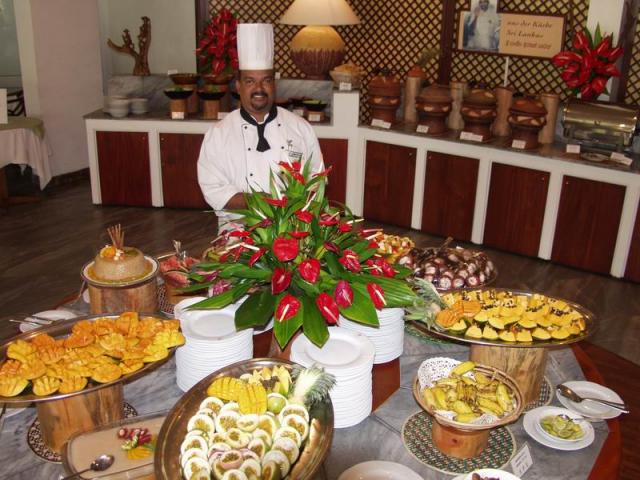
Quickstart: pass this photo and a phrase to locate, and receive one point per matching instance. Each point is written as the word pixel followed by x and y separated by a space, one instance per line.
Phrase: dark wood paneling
pixel 179 157
pixel 632 271
pixel 587 225
pixel 123 159
pixel 515 210
pixel 334 153
pixel 449 195
pixel 388 183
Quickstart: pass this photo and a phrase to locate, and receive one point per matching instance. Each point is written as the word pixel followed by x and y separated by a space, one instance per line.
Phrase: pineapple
pixel 311 385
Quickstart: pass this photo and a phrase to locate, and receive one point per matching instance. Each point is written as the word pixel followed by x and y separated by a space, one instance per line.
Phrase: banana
pixel 491 405
pixel 461 407
pixel 503 398
pixel 481 378
pixel 465 417
pixel 468 381
pixel 441 400
pixel 463 368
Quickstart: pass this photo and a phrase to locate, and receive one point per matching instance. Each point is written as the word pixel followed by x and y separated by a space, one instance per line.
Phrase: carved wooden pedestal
pixel 459 443
pixel 60 419
pixel 140 298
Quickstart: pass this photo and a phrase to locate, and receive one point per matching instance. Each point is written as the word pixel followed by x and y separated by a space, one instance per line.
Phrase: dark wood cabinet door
pixel 632 271
pixel 449 195
pixel 123 162
pixel 388 183
pixel 515 210
pixel 179 157
pixel 334 153
pixel 587 225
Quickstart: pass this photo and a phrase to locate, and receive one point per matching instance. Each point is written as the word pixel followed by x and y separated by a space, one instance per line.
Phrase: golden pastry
pixel 104 326
pixel 20 350
pixel 113 341
pixel 79 339
pixel 72 383
pixel 136 353
pixel 12 385
pixel 43 340
pixel 130 366
pixel 127 323
pixel 168 338
pixel 33 369
pixel 106 373
pixel 148 327
pixel 171 325
pixel 45 385
pixel 83 326
pixel 153 353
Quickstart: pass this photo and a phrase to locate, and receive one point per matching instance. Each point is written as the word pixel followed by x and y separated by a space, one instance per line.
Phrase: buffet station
pixel 270 355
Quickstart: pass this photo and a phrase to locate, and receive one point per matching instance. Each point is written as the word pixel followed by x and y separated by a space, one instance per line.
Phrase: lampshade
pixel 319 12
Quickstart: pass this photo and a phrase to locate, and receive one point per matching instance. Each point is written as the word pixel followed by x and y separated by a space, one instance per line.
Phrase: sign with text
pixel 531 35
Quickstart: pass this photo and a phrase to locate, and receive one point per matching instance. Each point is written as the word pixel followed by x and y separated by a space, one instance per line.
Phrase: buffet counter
pixel 379 437
pixel 543 203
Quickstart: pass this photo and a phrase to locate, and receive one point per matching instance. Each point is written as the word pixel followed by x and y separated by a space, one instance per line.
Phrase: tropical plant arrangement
pixel 217 52
pixel 302 262
pixel 590 64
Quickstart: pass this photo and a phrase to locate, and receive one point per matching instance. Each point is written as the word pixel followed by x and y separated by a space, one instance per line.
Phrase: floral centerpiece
pixel 217 52
pixel 301 261
pixel 590 64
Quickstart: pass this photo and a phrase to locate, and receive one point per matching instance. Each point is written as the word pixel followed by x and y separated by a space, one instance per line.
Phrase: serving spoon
pixel 98 465
pixel 571 395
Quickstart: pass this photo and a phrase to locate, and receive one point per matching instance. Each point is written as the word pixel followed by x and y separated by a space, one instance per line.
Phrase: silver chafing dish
pixel 600 125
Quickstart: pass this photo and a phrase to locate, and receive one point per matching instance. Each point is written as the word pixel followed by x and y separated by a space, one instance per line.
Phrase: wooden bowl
pixel 470 427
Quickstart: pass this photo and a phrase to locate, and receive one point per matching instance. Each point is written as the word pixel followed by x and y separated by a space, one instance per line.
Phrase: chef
pixel 239 152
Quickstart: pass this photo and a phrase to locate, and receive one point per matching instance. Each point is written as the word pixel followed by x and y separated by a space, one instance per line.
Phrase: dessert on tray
pixel 117 263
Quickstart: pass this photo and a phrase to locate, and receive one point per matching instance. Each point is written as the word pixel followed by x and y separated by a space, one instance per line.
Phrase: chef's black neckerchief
pixel 263 145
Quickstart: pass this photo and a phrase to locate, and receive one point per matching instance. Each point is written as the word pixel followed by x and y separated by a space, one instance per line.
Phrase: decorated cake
pixel 117 263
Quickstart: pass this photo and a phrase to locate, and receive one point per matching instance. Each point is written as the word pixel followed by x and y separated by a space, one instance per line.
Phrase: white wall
pixel 9 60
pixel 61 72
pixel 173 37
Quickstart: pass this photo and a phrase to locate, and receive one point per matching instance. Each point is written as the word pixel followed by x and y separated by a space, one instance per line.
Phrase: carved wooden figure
pixel 141 67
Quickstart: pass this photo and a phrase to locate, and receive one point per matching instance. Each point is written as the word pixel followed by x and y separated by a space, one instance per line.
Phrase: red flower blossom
pixel 387 270
pixel 326 220
pixel 275 202
pixel 304 216
pixel 291 167
pixel 256 256
pixel 332 247
pixel 328 308
pixel 299 234
pixel 285 249
pixel 374 269
pixel 280 280
pixel 345 227
pixel 298 176
pixel 239 234
pixel 309 270
pixel 377 295
pixel 287 308
pixel 344 294
pixel 323 173
pixel 350 260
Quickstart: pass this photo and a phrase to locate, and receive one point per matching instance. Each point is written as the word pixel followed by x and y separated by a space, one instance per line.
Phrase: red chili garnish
pixel 275 202
pixel 299 234
pixel 328 308
pixel 309 270
pixel 344 294
pixel 304 216
pixel 280 280
pixel 256 256
pixel 350 260
pixel 285 249
pixel 377 295
pixel 287 308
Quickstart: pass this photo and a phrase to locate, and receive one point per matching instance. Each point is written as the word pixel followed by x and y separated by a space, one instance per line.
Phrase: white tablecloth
pixel 22 146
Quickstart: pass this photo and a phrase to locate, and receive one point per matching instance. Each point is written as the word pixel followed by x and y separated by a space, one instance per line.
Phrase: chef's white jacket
pixel 229 162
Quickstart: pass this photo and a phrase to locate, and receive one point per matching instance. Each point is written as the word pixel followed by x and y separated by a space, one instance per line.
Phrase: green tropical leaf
pixel 597 36
pixel 224 299
pixel 283 331
pixel 362 309
pixel 308 288
pixel 257 310
pixel 195 288
pixel 244 271
pixel 313 323
pixel 333 265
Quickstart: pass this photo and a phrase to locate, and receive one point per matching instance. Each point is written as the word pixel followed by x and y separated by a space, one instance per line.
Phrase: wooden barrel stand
pixel 141 297
pixel 525 365
pixel 59 419
pixel 459 443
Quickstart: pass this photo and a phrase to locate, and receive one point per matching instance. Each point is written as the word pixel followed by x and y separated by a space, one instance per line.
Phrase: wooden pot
pixel 178 108
pixel 459 443
pixel 140 297
pixel 210 109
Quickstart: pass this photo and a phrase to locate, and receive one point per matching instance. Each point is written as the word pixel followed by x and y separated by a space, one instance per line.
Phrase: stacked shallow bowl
pixel 349 356
pixel 212 342
pixel 388 338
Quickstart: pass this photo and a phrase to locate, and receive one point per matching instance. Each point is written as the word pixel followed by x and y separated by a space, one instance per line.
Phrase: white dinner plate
pixel 588 408
pixel 53 315
pixel 489 473
pixel 534 416
pixel 378 470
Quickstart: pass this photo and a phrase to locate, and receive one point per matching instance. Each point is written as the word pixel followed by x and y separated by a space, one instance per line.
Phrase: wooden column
pixel 446 41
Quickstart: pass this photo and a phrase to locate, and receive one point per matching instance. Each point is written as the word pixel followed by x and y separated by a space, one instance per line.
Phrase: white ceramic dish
pixel 378 470
pixel 53 315
pixel 588 408
pixel 532 419
pixel 575 417
pixel 491 473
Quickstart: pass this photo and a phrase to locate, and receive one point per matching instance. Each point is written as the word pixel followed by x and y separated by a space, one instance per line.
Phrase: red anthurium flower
pixel 344 294
pixel 328 308
pixel 264 223
pixel 275 202
pixel 310 270
pixel 298 176
pixel 239 233
pixel 326 219
pixel 256 256
pixel 249 241
pixel 323 173
pixel 345 227
pixel 350 260
pixel 332 247
pixel 285 249
pixel 374 269
pixel 299 234
pixel 280 280
pixel 287 308
pixel 291 167
pixel 373 245
pixel 377 295
pixel 387 270
pixel 304 216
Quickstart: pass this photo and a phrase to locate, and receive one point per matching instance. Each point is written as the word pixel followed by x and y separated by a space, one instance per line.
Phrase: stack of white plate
pixel 349 356
pixel 212 342
pixel 388 339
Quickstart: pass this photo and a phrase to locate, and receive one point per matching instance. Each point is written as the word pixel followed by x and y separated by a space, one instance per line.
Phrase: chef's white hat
pixel 255 46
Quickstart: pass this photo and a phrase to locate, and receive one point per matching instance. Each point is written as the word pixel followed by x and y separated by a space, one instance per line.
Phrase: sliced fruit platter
pixel 392 247
pixel 466 395
pixel 508 317
pixel 254 420
pixel 74 356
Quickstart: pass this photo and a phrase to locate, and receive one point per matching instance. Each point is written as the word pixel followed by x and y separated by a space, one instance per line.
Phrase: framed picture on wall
pixel 479 29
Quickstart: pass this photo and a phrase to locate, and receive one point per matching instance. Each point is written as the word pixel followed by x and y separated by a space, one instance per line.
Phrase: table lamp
pixel 318 48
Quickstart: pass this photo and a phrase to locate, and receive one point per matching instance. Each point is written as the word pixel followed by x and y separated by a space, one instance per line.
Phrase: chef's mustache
pixel 260 92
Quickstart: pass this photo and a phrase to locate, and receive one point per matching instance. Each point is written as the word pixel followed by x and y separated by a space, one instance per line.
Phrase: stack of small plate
pixel 212 342
pixel 349 356
pixel 388 339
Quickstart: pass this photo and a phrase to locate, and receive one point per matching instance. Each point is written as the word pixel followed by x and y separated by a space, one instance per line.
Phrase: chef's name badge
pixel 293 155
